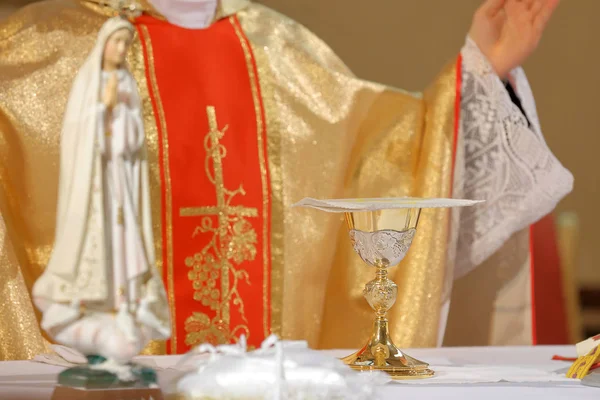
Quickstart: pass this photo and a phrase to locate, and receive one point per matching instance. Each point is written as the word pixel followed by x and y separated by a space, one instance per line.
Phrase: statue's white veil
pixel 78 157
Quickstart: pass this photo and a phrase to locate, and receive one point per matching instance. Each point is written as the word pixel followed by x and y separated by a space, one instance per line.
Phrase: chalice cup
pixel 382 239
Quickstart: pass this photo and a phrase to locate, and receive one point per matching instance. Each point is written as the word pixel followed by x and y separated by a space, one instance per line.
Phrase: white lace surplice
pixel 506 162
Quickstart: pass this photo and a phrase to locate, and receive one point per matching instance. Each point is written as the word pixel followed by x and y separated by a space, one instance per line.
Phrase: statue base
pixel 87 383
pixel 64 392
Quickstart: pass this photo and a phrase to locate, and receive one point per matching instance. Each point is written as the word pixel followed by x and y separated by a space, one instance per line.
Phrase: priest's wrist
pixel 500 66
pixel 493 55
pixel 502 72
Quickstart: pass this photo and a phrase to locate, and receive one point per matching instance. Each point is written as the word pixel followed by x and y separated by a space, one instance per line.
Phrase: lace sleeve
pixel 506 162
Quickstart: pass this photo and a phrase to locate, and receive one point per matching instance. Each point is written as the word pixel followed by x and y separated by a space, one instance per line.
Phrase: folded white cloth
pixel 276 371
pixel 584 347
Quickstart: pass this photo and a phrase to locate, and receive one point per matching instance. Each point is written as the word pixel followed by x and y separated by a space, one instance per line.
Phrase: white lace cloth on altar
pixel 506 163
pixel 453 366
pixel 473 374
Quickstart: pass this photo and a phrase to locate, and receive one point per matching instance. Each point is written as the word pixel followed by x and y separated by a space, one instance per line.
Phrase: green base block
pixel 88 378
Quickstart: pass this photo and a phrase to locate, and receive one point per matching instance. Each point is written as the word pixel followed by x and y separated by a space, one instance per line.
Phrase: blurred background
pixel 405 43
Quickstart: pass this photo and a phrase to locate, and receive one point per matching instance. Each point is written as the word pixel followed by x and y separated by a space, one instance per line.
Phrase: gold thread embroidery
pixel 232 243
pixel 169 202
pixel 273 131
pixel 263 171
pixel 228 210
pixel 137 64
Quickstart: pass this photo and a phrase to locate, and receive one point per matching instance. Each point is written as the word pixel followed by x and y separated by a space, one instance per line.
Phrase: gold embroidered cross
pixel 232 232
pixel 217 152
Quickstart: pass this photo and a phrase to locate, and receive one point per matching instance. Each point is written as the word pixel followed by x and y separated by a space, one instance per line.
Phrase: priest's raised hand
pixel 508 31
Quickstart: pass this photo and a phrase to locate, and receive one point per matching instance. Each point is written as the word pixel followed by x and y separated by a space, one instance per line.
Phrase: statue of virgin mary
pixel 100 293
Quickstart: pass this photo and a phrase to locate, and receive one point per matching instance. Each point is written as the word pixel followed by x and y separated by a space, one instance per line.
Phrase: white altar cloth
pixel 490 373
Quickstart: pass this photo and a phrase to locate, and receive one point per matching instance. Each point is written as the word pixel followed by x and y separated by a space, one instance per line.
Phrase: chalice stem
pixel 381 344
pixel 380 352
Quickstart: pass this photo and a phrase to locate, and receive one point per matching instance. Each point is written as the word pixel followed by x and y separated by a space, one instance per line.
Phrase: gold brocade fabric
pixel 332 135
pixel 329 135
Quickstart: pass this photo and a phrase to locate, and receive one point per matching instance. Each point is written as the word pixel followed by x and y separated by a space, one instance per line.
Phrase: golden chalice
pixel 381 231
pixel 382 239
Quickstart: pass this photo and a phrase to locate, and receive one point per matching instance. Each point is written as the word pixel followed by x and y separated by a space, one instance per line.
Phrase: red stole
pixel 215 185
pixel 549 307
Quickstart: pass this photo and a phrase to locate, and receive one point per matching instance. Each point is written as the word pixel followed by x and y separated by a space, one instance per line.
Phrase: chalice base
pixel 381 354
pixel 398 365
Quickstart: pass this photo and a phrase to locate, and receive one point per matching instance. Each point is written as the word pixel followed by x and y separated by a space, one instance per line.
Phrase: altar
pixel 479 372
